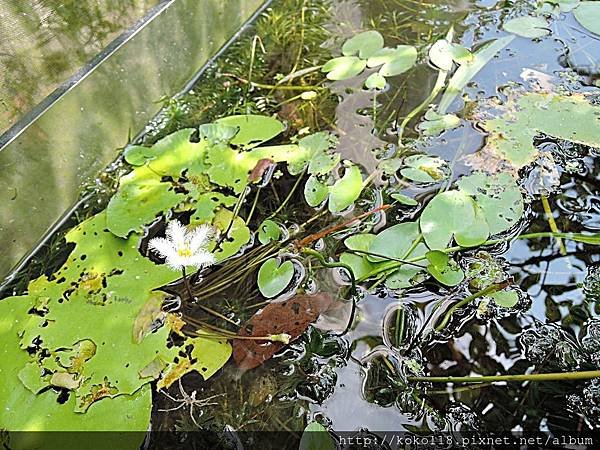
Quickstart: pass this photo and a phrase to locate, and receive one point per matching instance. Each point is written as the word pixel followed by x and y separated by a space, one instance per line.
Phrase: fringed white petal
pixel 176 233
pixel 200 237
pixel 202 259
pixel 163 247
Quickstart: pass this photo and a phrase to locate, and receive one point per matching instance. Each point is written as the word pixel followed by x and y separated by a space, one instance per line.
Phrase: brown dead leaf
pixel 259 170
pixel 292 316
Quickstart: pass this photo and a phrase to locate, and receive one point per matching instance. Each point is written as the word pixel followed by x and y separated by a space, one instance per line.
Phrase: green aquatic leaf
pixel 207 205
pixel 252 129
pixel 268 231
pixel 360 265
pixel 394 61
pixel 375 81
pixel 443 269
pixel 343 67
pixel 423 168
pixel 207 356
pixel 360 241
pixel 238 235
pixel 404 199
pixel 314 154
pixel 588 15
pixel 273 278
pixel 217 133
pixel 498 197
pixel 528 27
pixel 316 437
pixel 506 299
pixel 363 44
pixel 434 123
pixel 466 72
pixel 137 155
pixel 397 241
pixel 315 192
pixel 572 118
pixel 140 198
pixel 453 214
pixel 346 190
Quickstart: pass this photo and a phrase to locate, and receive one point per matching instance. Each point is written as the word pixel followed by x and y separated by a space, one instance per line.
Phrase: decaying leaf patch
pixel 292 316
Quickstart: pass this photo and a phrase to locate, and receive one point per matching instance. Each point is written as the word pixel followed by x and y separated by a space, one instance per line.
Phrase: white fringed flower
pixel 182 248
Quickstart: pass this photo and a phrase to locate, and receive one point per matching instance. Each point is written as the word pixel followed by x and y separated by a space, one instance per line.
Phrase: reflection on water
pixel 44 42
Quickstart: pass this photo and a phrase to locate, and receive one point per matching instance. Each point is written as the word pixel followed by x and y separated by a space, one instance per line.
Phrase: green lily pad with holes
pixel 140 198
pixel 217 133
pixel 268 231
pixel 364 44
pixel 252 129
pixel 424 169
pixel 315 192
pixel 343 67
pixel 315 154
pixel 588 15
pixel 572 118
pixel 237 237
pixel 207 205
pixel 397 242
pixel 443 269
pixel 274 277
pixel 346 190
pixel 394 61
pixel 498 196
pixel 528 27
pixel 137 155
pixel 453 214
pixel 506 299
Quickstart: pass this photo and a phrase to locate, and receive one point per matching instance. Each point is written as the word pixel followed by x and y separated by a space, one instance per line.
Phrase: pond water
pixel 528 298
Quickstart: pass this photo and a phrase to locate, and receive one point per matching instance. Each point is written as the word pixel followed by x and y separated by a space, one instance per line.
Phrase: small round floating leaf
pixel 346 190
pixel 461 54
pixel 506 299
pixel 527 27
pixel 404 199
pixel 268 231
pixel 394 61
pixel 137 155
pixel 344 67
pixel 361 241
pixel 437 258
pixel 274 278
pixel 395 242
pixel 588 15
pixel 444 270
pixel 316 437
pixel 375 81
pixel 315 192
pixel 364 44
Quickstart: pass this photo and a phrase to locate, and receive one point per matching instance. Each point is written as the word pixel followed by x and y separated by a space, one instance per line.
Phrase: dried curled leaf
pixel 292 316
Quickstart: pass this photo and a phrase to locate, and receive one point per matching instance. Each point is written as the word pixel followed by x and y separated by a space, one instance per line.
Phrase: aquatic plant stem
pixel 536 377
pixel 465 301
pixel 285 87
pixel 192 299
pixel 289 196
pixel 552 224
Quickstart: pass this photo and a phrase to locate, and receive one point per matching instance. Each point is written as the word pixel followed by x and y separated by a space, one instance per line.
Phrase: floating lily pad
pixel 588 15
pixel 252 129
pixel 363 44
pixel 394 61
pixel 424 169
pixel 375 81
pixel 344 67
pixel 316 437
pixel 237 237
pixel 315 192
pixel 268 231
pixel 434 123
pixel 443 269
pixel 506 299
pixel 528 27
pixel 274 277
pixel 346 190
pixel 314 154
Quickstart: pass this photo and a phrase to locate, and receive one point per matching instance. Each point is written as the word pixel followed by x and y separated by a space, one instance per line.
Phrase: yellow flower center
pixel 184 252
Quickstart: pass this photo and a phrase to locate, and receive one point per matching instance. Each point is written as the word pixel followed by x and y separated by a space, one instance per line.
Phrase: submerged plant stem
pixel 552 224
pixel 559 376
pixel 285 87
